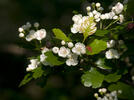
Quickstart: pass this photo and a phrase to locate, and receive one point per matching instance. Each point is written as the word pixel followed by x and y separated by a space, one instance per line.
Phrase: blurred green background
pixel 50 14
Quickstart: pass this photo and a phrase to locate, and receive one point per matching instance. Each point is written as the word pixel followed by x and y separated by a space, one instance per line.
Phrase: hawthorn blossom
pixel 21 35
pixel 72 60
pixel 112 54
pixel 31 36
pixel 83 24
pixel 118 8
pixel 55 50
pixel 34 64
pixel 79 48
pixel 40 34
pixel 63 52
pixel 111 44
pixel 70 44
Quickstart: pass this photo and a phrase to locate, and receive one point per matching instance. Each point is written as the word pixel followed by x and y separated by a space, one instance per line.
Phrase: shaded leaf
pixel 53 60
pixel 26 79
pixel 127 91
pixel 112 77
pixel 92 78
pixel 101 64
pixel 101 32
pixel 38 72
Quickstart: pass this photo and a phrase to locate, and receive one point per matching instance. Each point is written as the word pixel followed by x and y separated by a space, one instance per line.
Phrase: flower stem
pixel 111 24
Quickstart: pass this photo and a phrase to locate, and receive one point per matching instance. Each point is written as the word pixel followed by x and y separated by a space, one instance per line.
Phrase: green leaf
pixel 92 78
pixel 101 32
pixel 38 72
pixel 60 35
pixel 127 91
pixel 97 46
pixel 101 64
pixel 53 60
pixel 26 79
pixel 112 77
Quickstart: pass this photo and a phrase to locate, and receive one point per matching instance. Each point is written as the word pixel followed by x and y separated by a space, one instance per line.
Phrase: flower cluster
pixel 104 95
pixel 70 51
pixel 29 33
pixel 115 13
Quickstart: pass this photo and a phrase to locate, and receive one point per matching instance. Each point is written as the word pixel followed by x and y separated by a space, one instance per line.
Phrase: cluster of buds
pixel 104 95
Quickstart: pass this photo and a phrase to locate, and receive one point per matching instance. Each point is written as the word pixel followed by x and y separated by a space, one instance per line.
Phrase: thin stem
pixel 101 25
pixel 111 23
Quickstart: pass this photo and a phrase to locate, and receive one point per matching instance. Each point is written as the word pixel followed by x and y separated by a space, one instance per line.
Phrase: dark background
pixel 50 14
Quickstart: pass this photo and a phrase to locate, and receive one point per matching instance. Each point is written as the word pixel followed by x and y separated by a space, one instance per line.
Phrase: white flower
pixel 82 25
pixel 72 61
pixel 97 15
pixel 70 44
pixel 102 17
pixel 55 50
pixel 94 12
pixel 63 42
pixel 88 8
pixel 90 14
pixel 31 35
pixel 115 17
pixel 40 34
pixel 112 54
pixel 121 17
pixel 111 44
pixel 111 15
pixel 28 25
pixel 77 18
pixel 21 35
pixel 97 20
pixel 118 8
pixel 44 50
pixel 36 24
pixel 34 64
pixel 98 4
pixel 20 29
pixel 42 57
pixel 63 52
pixel 79 49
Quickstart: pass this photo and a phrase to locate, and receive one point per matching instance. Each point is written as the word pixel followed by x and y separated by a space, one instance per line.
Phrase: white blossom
pixel 112 54
pixel 28 25
pixel 40 34
pixel 115 17
pixel 98 4
pixel 70 44
pixel 90 14
pixel 43 59
pixel 21 35
pixel 36 24
pixel 77 18
pixel 44 50
pixel 79 48
pixel 34 64
pixel 55 50
pixel 94 12
pixel 82 24
pixel 20 29
pixel 102 17
pixel 63 42
pixel 121 17
pixel 31 35
pixel 118 8
pixel 88 8
pixel 63 52
pixel 72 60
pixel 111 44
